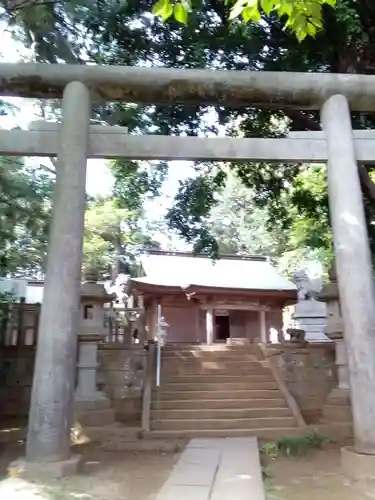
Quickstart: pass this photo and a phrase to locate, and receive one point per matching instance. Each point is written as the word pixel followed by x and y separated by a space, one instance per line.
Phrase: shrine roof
pixel 183 270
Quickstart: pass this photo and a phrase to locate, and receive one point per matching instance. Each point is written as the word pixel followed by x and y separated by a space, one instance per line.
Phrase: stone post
pixel 51 408
pixel 354 267
pixel 209 326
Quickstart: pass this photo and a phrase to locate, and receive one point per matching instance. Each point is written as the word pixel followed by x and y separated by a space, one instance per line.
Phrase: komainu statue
pixel 307 288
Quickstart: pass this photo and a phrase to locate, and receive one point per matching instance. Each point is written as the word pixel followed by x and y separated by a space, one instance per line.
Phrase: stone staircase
pixel 219 391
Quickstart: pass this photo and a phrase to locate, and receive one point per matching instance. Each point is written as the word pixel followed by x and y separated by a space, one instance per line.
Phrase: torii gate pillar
pixel 48 440
pixel 354 267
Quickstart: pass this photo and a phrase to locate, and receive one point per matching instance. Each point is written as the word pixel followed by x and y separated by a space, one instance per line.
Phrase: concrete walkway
pixel 216 469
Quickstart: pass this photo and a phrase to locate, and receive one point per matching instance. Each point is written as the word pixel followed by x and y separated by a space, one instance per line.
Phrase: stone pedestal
pixel 311 316
pixel 358 465
pixel 45 470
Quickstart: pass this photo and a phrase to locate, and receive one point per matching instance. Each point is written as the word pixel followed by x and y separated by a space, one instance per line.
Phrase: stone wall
pixel 309 372
pixel 16 376
pixel 120 376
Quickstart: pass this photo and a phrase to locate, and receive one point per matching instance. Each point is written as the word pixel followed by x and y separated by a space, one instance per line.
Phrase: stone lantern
pixel 92 331
pixel 335 330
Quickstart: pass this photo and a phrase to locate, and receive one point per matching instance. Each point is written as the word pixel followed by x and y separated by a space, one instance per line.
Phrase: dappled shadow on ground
pixel 105 475
pixel 316 476
pixel 8 453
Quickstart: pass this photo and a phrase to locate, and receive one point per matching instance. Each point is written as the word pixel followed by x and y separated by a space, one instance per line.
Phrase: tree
pixel 239 225
pixel 25 202
pixel 123 33
pixel 302 17
pixel 236 223
pixel 113 237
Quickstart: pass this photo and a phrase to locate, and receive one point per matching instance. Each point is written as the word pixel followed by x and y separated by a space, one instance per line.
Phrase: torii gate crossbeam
pixel 114 142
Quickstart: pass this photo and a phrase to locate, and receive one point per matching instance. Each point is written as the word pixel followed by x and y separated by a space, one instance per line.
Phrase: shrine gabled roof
pixel 183 270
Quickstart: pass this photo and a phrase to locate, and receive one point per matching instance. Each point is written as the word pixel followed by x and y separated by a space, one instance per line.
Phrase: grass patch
pixel 294 445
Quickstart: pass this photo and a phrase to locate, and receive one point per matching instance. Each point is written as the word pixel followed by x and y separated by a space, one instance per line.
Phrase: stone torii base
pixel 45 470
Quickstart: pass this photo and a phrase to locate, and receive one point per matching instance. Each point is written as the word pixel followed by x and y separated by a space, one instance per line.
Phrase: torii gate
pixel 75 140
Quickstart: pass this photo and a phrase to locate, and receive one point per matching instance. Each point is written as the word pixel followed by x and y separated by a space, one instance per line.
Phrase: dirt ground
pixel 106 476
pixel 140 475
pixel 316 476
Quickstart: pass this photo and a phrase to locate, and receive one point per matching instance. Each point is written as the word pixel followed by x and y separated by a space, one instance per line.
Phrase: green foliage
pixel 123 33
pixel 219 214
pixel 137 181
pixel 240 225
pixel 25 207
pixel 303 17
pixel 193 202
pixel 294 445
pixel 111 233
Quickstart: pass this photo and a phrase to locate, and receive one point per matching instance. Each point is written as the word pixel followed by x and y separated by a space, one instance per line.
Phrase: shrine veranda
pixel 75 140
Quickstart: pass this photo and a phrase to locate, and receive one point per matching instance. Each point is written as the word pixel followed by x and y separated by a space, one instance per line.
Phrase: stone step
pixel 222 367
pixel 239 350
pixel 217 347
pixel 212 356
pixel 267 434
pixel 222 423
pixel 220 413
pixel 218 386
pixel 121 438
pixel 221 404
pixel 163 395
pixel 88 405
pixel 95 417
pixel 221 379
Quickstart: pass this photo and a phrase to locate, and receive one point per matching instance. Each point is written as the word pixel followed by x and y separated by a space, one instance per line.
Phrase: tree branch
pixel 304 121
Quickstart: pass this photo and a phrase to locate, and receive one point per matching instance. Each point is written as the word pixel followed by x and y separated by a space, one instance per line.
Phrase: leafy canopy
pixel 303 17
pixel 123 33
pixel 25 206
pixel 113 236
